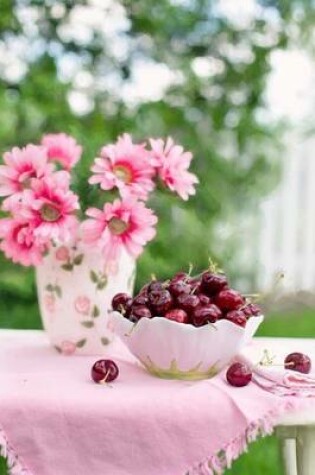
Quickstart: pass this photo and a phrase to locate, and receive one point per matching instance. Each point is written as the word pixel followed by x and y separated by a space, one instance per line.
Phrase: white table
pixel 296 432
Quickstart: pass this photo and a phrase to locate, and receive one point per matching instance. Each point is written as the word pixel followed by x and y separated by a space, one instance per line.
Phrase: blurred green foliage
pixel 218 114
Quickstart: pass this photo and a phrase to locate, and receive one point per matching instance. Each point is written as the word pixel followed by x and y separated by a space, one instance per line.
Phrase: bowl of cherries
pixel 186 327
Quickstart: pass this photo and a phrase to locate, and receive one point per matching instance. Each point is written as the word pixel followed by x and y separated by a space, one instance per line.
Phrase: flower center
pixel 25 179
pixel 117 226
pixel 49 213
pixel 26 184
pixel 123 173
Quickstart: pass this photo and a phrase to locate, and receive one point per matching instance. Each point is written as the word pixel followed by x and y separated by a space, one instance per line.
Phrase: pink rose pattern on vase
pixel 68 347
pixel 69 257
pixel 82 304
pixel 50 303
pixel 75 304
pixel 62 254
pixel 111 268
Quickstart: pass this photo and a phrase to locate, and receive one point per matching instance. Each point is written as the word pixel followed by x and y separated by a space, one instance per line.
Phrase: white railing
pixel 287 231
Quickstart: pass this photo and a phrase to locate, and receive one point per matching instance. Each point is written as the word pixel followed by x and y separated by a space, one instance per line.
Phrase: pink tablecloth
pixel 55 421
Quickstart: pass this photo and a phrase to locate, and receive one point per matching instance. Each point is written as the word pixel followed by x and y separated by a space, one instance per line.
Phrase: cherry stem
pixel 122 310
pixel 273 364
pixel 214 267
pixel 255 297
pixel 105 377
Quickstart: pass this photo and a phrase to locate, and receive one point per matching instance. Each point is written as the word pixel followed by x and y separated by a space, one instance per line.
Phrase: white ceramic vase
pixel 75 289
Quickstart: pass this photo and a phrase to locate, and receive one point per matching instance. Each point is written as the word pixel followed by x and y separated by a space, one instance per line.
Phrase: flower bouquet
pixel 84 257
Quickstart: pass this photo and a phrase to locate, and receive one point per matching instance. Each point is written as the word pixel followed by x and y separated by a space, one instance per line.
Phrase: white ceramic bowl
pixel 174 350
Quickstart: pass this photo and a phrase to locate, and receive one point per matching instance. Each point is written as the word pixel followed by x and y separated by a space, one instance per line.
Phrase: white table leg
pixel 305 450
pixel 287 441
pixel 288 450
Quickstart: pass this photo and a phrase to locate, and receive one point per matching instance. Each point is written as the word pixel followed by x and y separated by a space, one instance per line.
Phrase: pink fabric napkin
pixel 54 420
pixel 280 381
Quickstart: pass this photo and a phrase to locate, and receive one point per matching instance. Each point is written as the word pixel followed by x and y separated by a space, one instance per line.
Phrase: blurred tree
pixel 81 67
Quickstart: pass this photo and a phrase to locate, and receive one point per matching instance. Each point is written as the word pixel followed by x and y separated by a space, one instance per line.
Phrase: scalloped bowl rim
pixel 185 327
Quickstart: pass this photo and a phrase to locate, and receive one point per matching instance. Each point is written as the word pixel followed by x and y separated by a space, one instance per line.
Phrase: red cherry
pixel 121 302
pixel 155 285
pixel 179 276
pixel 213 283
pixel 228 300
pixel 196 287
pixel 139 311
pixel 298 362
pixel 188 302
pixel 237 317
pixel 160 302
pixel 144 290
pixel 204 299
pixel 140 299
pixel 238 375
pixel 207 314
pixel 179 287
pixel 251 310
pixel 178 315
pixel 193 281
pixel 104 371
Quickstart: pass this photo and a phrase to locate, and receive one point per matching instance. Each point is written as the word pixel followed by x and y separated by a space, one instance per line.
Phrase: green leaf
pixel 58 291
pixel 105 341
pixel 93 276
pixel 49 287
pixel 102 283
pixel 87 323
pixel 67 267
pixel 96 311
pixel 81 343
pixel 78 259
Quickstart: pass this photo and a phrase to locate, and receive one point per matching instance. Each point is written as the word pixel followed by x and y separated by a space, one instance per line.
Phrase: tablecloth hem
pixel 212 465
pixel 218 463
pixel 15 465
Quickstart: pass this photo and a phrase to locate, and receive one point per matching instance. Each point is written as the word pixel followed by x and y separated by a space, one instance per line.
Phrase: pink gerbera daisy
pixel 62 148
pixel 173 165
pixel 125 224
pixel 126 166
pixel 21 165
pixel 19 243
pixel 51 206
